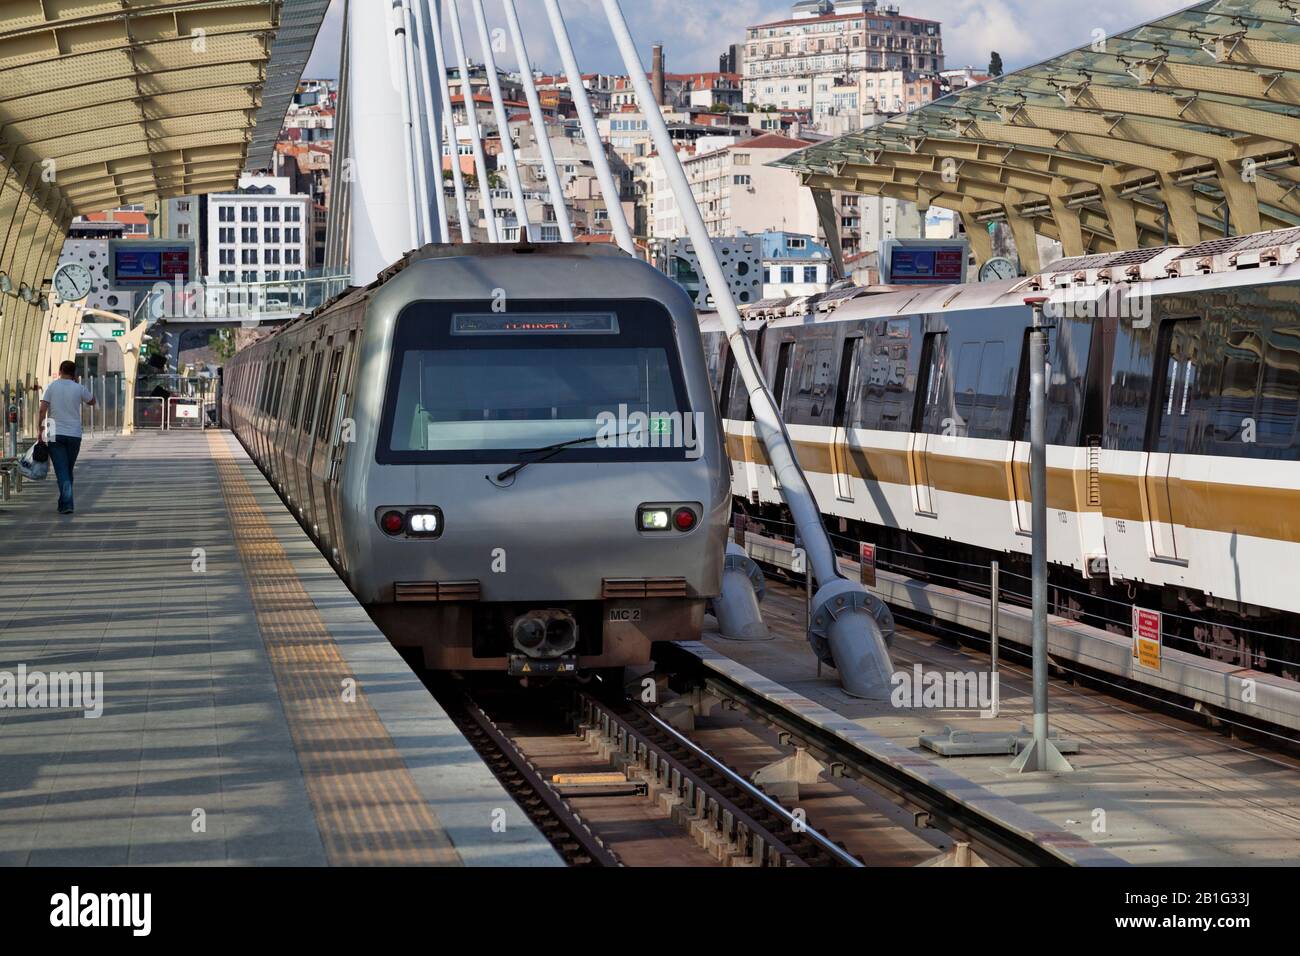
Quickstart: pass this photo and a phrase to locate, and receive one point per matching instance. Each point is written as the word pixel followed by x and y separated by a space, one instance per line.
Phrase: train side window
pixel 934 390
pixel 781 378
pixel 1280 392
pixel 299 383
pixel 885 379
pixel 1238 385
pixel 848 379
pixel 1181 405
pixel 329 398
pixel 724 388
pixel 966 376
pixel 316 388
pixel 278 400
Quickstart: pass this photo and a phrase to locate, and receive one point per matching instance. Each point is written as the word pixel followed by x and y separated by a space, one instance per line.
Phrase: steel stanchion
pixel 1041 753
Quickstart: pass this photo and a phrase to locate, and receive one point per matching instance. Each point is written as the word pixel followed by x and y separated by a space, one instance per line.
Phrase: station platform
pixel 1146 786
pixel 250 712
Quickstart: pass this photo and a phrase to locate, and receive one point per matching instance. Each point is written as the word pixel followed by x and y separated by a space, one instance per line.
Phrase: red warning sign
pixel 1146 637
pixel 867 563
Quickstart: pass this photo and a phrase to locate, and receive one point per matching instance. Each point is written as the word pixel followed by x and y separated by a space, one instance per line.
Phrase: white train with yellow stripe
pixel 1173 458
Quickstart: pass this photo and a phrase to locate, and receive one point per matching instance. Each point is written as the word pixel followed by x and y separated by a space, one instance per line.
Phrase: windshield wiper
pixel 549 451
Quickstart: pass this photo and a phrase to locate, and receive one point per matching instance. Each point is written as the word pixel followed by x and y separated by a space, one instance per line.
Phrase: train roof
pixel 1232 261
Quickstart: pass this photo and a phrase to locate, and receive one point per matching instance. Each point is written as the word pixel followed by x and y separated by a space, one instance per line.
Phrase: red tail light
pixel 684 519
pixel 392 522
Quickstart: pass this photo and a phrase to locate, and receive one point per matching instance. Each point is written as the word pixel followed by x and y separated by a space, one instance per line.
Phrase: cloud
pixel 695 32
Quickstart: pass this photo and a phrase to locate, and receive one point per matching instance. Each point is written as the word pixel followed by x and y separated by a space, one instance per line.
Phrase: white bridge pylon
pixel 389 175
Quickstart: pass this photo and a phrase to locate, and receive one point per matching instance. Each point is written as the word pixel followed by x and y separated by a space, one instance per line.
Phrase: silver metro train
pixel 1173 458
pixel 511 454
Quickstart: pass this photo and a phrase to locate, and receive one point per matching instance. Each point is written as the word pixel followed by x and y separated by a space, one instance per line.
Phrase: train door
pixel 1175 429
pixel 933 397
pixel 341 435
pixel 780 389
pixel 845 404
pixel 304 441
pixel 322 444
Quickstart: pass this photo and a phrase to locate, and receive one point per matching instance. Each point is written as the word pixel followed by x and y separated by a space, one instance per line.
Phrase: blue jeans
pixel 63 455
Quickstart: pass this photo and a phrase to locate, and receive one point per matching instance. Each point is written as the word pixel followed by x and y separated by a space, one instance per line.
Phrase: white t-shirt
pixel 65 397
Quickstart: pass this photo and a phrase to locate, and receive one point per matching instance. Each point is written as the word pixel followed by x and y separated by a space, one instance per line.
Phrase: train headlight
pixel 426 524
pixel 652 519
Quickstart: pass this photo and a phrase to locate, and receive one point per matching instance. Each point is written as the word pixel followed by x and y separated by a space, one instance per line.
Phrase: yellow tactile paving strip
pixel 367 806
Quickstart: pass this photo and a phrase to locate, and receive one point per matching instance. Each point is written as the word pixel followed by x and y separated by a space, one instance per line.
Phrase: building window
pixel 227 257
pixel 272 257
pixel 226 235
pixel 226 276
pixel 226 214
pixel 292 214
pixel 293 257
pixel 293 234
pixel 742 180
pixel 248 275
pixel 270 235
pixel 272 214
pixel 248 234
pixel 797 243
pixel 809 273
pixel 787 273
pixel 248 213
pixel 183 230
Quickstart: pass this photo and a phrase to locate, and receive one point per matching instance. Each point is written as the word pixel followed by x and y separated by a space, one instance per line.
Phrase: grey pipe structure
pixel 843 630
pixel 503 121
pixel 433 119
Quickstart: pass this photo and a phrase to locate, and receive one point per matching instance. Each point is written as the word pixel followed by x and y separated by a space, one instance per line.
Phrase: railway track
pixel 612 785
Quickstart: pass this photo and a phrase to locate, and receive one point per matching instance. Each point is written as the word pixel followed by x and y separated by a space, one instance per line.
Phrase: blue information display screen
pixel 927 266
pixel 149 265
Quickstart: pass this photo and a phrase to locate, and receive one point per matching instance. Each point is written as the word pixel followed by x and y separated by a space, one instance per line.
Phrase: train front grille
pixel 642 587
pixel 425 592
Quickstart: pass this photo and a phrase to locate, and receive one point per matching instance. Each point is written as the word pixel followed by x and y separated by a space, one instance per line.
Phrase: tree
pixel 222 343
pixel 995 64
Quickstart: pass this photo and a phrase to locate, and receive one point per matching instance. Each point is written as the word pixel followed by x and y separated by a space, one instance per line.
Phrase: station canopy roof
pixel 1169 132
pixel 121 100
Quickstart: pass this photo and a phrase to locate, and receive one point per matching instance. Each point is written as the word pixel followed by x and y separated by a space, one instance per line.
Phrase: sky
pixel 695 32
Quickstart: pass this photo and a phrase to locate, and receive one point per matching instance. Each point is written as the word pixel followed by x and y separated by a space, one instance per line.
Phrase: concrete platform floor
pixel 1148 787
pixel 223 640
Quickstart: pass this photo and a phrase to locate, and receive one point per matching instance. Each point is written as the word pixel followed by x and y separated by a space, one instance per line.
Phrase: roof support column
pixel 1181 204
pixel 1123 221
pixel 830 224
pixel 981 243
pixel 1067 226
pixel 1022 230
pixel 1243 202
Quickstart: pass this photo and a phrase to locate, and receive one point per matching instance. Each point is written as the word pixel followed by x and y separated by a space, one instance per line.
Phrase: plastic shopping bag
pixel 32 469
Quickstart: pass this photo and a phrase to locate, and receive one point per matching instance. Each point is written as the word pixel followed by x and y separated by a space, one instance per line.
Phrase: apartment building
pixel 824 38
pixel 261 232
pixel 738 193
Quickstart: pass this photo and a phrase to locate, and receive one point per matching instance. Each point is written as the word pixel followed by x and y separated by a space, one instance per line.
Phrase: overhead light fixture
pixel 6 283
pixel 25 292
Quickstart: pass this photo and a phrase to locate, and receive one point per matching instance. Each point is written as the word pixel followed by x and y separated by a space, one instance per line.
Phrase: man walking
pixel 61 414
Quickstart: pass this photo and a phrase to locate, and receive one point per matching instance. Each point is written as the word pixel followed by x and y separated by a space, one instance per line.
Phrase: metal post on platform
pixel 91 408
pixel 994 600
pixel 11 421
pixel 1041 753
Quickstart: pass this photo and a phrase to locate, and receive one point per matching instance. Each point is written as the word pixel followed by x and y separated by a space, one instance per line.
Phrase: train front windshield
pixel 467 384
